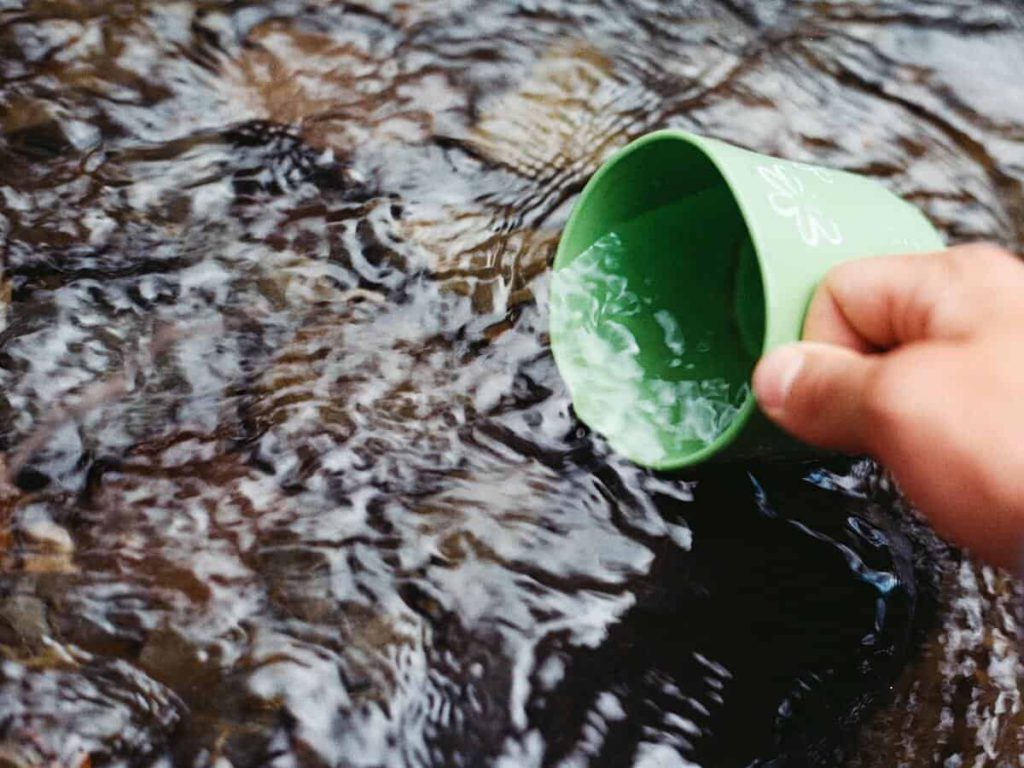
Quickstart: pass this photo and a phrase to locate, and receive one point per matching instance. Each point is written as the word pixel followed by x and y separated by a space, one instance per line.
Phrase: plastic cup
pixel 683 262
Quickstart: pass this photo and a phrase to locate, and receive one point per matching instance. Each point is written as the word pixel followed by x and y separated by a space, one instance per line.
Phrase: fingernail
pixel 775 375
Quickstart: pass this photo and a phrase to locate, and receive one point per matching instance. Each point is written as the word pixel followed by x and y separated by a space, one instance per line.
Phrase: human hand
pixel 918 361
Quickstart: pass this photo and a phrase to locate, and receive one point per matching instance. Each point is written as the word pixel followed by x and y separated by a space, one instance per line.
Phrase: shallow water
pixel 292 479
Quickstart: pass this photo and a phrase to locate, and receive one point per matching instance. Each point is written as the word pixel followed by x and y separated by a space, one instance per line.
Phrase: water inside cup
pixel 653 350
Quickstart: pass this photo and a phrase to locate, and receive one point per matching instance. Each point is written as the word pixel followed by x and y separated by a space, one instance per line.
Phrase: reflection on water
pixel 291 479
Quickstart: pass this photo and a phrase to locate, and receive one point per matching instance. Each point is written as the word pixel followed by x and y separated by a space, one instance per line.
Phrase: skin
pixel 918 361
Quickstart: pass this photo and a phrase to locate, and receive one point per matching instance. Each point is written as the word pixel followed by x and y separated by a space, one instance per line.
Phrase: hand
pixel 918 361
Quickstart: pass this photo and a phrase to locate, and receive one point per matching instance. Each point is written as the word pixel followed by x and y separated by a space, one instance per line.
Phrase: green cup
pixel 683 262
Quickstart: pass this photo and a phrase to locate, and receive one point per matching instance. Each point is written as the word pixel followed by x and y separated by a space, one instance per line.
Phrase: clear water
pixel 290 477
pixel 595 310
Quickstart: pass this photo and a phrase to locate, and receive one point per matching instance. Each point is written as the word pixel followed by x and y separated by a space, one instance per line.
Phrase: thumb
pixel 817 393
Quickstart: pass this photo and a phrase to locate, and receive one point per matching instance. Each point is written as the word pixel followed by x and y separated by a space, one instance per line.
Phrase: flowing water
pixel 626 362
pixel 290 478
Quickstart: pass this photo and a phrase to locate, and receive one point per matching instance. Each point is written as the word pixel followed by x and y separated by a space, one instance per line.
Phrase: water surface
pixel 291 479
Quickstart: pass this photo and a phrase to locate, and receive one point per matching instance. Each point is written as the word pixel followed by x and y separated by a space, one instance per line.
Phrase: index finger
pixel 883 302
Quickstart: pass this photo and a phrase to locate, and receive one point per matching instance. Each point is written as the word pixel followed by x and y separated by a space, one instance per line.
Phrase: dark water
pixel 291 479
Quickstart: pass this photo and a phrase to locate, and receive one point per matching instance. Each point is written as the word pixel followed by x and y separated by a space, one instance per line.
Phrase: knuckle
pixel 967 258
pixel 951 298
pixel 955 263
pixel 984 280
pixel 990 250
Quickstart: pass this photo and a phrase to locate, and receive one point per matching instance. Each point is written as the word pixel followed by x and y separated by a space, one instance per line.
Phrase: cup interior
pixel 658 310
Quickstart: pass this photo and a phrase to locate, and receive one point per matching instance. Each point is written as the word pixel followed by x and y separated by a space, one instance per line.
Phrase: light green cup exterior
pixel 802 221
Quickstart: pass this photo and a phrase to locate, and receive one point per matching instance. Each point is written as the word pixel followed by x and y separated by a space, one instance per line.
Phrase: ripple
pixel 288 474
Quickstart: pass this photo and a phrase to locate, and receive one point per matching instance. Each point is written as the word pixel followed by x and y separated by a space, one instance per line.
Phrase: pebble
pixel 49 535
pixel 26 615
